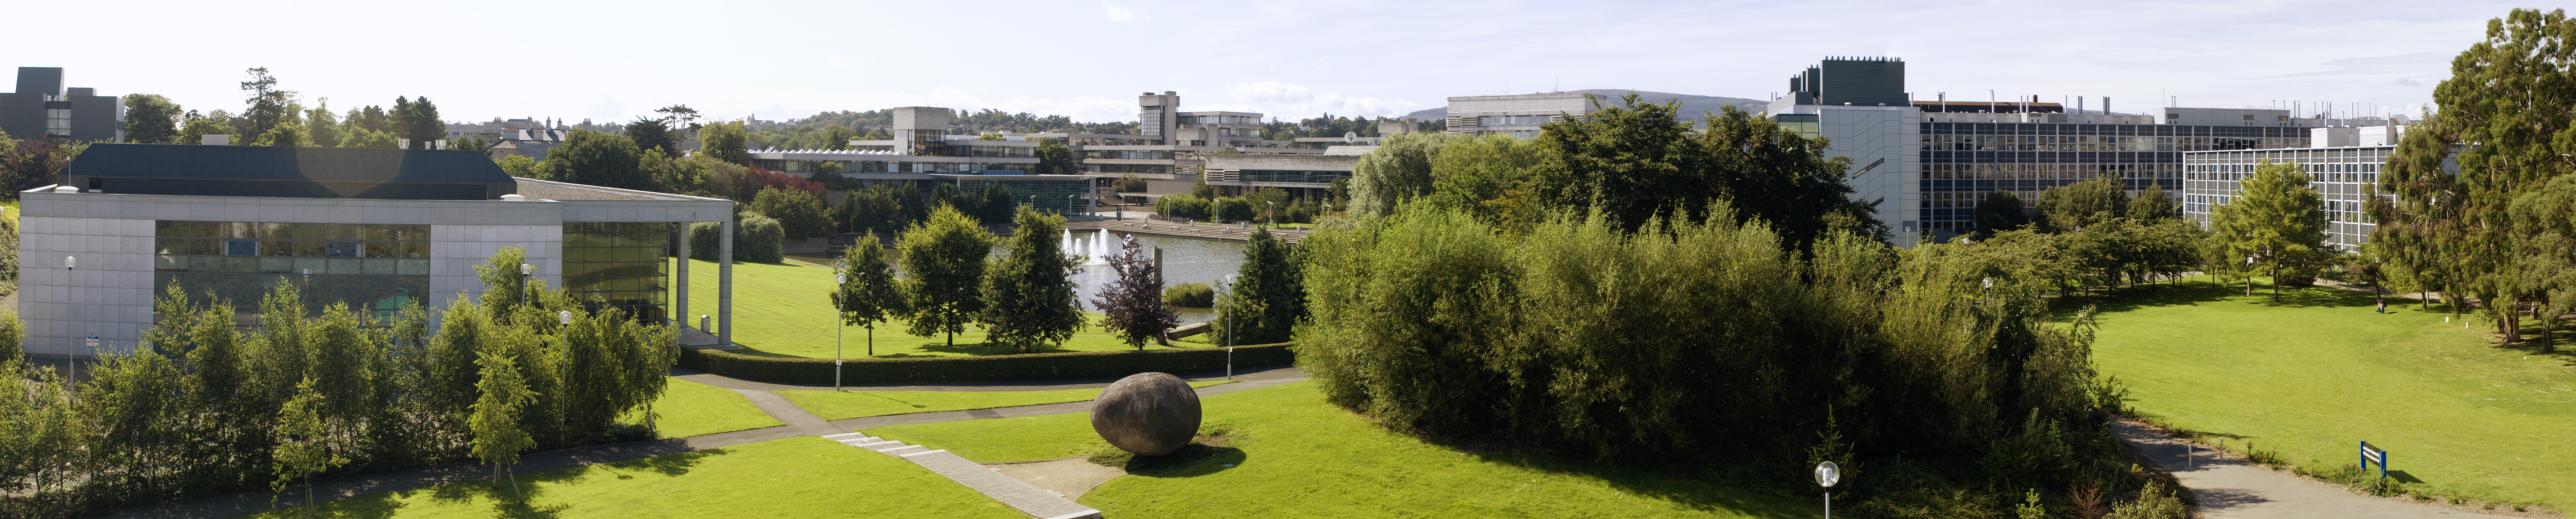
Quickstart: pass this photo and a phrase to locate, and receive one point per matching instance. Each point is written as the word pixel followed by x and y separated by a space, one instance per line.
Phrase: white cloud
pixel 1121 14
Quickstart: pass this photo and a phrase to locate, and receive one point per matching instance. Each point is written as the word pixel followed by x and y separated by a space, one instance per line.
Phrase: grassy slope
pixel 781 310
pixel 1297 456
pixel 794 477
pixel 691 409
pixel 2312 376
pixel 832 405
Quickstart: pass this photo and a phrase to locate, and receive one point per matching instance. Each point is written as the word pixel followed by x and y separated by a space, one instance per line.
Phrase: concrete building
pixel 41 106
pixel 1930 162
pixel 373 228
pixel 1304 176
pixel 529 137
pixel 2342 165
pixel 1514 115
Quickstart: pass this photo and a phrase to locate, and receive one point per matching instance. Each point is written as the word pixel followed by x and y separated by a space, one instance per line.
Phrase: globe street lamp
pixel 526 290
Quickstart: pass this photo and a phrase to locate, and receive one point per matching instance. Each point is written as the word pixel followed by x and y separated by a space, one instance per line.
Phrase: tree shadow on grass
pixel 382 504
pixel 1713 493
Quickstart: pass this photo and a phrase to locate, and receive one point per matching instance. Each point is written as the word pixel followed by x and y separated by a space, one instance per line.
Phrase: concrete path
pixel 2232 488
pixel 989 481
pixel 800 423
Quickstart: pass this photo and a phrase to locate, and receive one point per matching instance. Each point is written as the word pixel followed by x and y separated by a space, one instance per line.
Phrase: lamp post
pixel 840 281
pixel 68 263
pixel 561 385
pixel 526 271
pixel 1229 326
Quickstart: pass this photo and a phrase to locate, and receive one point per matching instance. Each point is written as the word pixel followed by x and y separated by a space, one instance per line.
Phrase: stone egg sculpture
pixel 1149 414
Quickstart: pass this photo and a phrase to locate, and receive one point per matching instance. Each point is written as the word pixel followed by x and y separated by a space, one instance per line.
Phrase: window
pixel 344 249
pixel 2249 117
pixel 241 248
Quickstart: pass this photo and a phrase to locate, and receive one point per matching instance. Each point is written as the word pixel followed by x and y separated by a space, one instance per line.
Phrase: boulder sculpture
pixel 1148 414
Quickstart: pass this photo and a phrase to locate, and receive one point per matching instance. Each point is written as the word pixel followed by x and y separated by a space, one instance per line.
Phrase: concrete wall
pixel 1888 137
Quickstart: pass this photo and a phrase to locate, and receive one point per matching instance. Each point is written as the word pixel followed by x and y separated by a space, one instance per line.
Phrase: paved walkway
pixel 2231 487
pixel 799 423
pixel 986 480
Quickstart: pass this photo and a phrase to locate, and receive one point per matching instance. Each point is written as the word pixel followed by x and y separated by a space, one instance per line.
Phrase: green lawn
pixel 2311 376
pixel 794 477
pixel 835 405
pixel 781 310
pixel 1296 456
pixel 691 409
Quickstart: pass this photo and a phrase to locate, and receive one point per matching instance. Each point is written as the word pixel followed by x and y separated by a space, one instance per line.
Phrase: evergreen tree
pixel 1268 298
pixel 321 128
pixel 943 260
pixel 651 134
pixel 151 118
pixel 1029 301
pixel 267 107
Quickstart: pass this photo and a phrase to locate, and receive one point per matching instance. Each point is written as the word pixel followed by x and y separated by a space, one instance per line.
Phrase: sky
pixel 1088 59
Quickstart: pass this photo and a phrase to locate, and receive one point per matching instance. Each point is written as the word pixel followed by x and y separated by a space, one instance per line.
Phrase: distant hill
pixel 1692 106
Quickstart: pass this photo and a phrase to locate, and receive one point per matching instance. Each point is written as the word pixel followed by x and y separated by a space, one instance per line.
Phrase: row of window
pixel 291 248
pixel 2080 171
pixel 2099 143
pixel 290 231
pixel 2161 130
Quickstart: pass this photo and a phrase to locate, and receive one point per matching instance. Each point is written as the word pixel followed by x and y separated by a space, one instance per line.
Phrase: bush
pixel 1182 206
pixel 1128 184
pixel 1232 209
pixel 1034 366
pixel 755 239
pixel 1194 295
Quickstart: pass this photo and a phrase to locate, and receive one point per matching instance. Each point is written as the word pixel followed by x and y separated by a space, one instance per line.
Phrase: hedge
pixel 1034 366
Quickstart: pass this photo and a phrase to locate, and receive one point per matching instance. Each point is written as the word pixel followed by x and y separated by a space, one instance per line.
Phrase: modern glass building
pixel 364 230
pixel 1961 162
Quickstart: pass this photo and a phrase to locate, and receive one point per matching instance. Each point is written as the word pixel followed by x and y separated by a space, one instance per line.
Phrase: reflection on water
pixel 1184 261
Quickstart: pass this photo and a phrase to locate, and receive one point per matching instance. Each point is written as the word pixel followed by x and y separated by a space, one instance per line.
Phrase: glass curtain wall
pixel 625 265
pixel 374 269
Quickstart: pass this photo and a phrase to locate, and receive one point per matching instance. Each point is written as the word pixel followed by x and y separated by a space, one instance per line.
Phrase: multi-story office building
pixel 1518 116
pixel 1304 176
pixel 41 106
pixel 1931 162
pixel 2343 167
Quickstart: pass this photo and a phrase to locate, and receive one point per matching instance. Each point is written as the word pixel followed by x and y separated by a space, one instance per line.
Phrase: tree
pixel 150 118
pixel 308 443
pixel 652 134
pixel 267 107
pixel 417 120
pixel 838 137
pixel 1398 170
pixel 2067 208
pixel 498 439
pixel 599 159
pixel 2152 205
pixel 321 128
pixel 2498 147
pixel 1054 158
pixel 283 135
pixel 872 295
pixel 1999 212
pixel 1268 298
pixel 1633 162
pixel 725 142
pixel 1133 303
pixel 680 116
pixel 1772 174
pixel 1029 300
pixel 943 259
pixel 2273 222
pixel 798 211
pixel 28 163
pixel 671 173
pixel 195 130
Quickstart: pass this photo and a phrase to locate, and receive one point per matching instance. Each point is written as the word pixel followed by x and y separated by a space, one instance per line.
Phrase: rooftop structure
pixel 41 106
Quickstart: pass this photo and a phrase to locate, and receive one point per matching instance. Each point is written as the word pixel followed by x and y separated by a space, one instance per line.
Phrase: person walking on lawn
pixel 2383 304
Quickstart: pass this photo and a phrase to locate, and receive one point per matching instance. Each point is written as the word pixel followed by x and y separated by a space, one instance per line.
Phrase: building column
pixel 680 298
pixel 724 285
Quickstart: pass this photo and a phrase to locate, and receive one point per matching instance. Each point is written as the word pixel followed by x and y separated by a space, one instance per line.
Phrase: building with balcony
pixel 1514 115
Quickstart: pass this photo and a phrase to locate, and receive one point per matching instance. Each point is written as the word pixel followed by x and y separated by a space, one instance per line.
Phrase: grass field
pixel 835 405
pixel 691 409
pixel 1296 456
pixel 794 477
pixel 2314 374
pixel 781 310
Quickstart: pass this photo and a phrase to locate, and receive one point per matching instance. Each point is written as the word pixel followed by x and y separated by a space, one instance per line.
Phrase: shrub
pixel 1232 208
pixel 755 239
pixel 1034 366
pixel 1194 295
pixel 1182 206
pixel 1128 184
